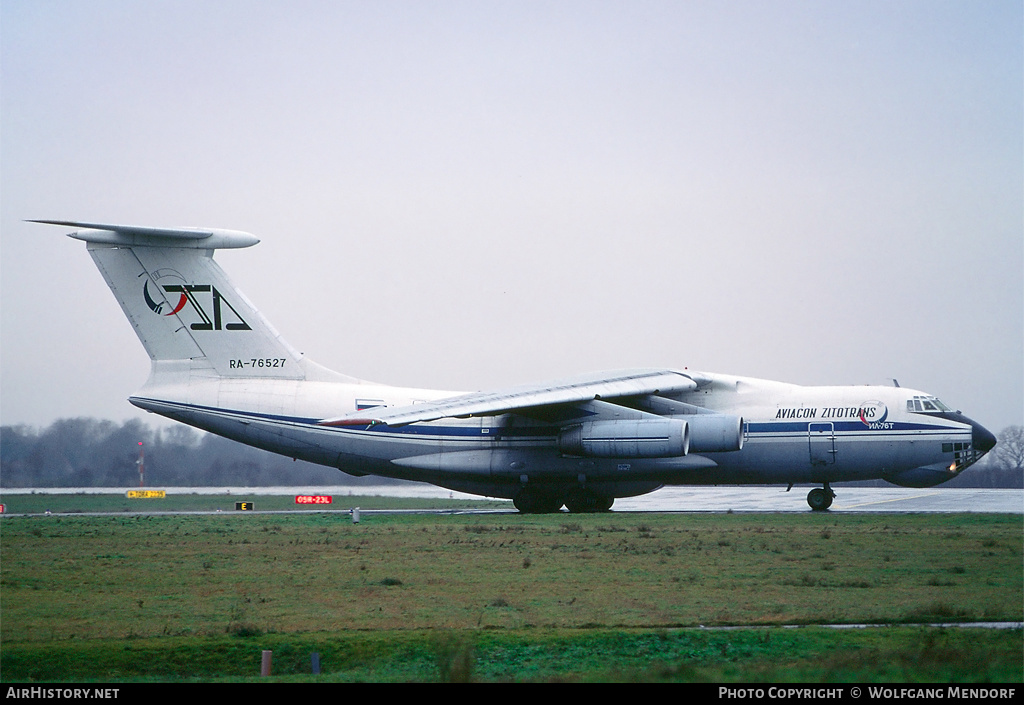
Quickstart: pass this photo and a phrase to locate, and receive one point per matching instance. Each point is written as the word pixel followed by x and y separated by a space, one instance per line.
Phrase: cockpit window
pixel 926 405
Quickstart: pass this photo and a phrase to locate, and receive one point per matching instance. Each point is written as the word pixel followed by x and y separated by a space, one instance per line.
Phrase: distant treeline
pixel 86 452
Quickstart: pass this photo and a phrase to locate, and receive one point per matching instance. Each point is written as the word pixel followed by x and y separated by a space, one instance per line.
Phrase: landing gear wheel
pixel 587 502
pixel 820 499
pixel 537 503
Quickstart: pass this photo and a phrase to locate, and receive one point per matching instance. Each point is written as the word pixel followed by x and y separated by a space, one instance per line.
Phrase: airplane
pixel 581 442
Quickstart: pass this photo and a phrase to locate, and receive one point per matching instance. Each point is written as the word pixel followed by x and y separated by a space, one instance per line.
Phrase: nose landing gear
pixel 820 499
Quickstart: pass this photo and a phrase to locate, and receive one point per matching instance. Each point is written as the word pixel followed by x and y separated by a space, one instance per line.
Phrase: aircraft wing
pixel 628 383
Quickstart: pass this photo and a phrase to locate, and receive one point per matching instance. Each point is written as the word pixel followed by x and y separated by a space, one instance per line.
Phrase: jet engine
pixel 646 438
pixel 715 433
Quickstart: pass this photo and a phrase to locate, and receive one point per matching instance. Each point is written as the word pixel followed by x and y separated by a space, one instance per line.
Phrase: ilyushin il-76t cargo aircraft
pixel 218 365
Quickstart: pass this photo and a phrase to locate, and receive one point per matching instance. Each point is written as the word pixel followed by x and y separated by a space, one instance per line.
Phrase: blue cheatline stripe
pixel 475 432
pixel 846 427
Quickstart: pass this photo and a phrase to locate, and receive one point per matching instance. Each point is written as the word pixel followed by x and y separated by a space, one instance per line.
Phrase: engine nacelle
pixel 715 433
pixel 646 438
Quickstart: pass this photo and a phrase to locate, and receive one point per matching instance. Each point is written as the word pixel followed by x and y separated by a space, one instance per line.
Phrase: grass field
pixel 510 597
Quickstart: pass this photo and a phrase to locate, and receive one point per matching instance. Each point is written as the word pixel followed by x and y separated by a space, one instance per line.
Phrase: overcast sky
pixel 463 195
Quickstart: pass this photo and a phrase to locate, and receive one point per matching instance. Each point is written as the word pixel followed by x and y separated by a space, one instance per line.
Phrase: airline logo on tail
pixel 206 302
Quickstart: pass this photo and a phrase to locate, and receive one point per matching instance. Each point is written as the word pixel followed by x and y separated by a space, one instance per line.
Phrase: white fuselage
pixel 791 434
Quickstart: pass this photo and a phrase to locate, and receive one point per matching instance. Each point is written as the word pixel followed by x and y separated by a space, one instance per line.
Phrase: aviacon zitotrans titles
pixel 218 365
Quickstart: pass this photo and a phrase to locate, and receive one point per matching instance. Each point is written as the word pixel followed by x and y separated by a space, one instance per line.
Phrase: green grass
pixel 510 597
pixel 809 654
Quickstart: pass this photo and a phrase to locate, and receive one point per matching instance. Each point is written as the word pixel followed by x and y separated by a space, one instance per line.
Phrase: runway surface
pixel 895 500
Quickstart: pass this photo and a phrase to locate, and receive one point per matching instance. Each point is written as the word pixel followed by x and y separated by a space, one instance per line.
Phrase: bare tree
pixel 1009 451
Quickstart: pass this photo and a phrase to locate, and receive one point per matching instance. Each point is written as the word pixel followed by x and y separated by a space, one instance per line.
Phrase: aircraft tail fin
pixel 184 309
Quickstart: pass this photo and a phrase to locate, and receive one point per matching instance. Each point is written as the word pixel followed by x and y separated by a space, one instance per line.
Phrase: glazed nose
pixel 981 438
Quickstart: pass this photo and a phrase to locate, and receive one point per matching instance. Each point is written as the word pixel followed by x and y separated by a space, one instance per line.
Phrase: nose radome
pixel 981 438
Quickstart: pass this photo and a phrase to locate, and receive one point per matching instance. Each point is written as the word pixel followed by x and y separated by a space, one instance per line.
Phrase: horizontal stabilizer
pixel 137 236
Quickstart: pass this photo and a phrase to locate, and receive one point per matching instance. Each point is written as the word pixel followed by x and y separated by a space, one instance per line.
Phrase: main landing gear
pixel 529 502
pixel 820 499
pixel 579 501
pixel 586 502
